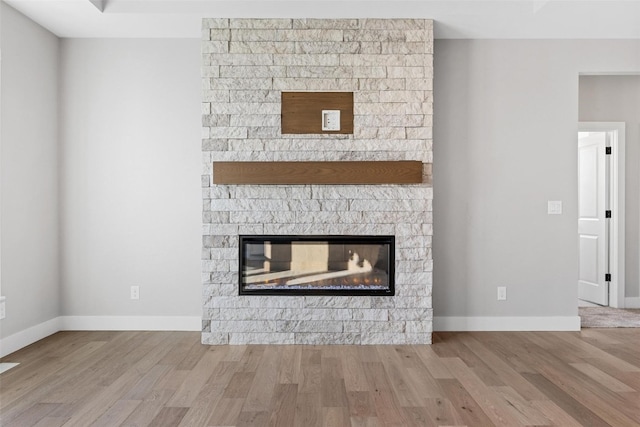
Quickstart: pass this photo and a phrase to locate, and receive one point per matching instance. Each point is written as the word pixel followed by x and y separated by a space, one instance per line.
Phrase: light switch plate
pixel 330 119
pixel 554 207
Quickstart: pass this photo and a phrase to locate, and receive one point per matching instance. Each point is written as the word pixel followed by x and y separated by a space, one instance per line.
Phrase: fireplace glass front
pixel 317 265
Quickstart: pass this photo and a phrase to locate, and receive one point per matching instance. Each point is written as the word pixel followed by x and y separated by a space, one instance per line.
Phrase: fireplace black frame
pixel 389 241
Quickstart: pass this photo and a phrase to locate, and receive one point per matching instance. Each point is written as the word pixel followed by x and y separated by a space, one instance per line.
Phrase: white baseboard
pixel 555 323
pixel 98 323
pixel 131 323
pixel 632 302
pixel 193 323
pixel 28 336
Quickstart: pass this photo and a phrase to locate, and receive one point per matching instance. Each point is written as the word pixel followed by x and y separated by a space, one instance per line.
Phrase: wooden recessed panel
pixel 302 111
pixel 383 172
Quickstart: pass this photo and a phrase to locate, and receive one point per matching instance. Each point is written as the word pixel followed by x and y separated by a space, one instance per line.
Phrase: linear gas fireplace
pixel 317 265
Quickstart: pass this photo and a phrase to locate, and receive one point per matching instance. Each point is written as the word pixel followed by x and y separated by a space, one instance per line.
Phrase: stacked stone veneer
pixel 247 63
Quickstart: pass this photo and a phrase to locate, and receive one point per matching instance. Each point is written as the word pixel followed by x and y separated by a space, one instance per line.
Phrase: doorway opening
pixel 601 213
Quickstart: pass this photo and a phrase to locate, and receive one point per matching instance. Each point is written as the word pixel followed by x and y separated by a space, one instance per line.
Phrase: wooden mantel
pixel 347 172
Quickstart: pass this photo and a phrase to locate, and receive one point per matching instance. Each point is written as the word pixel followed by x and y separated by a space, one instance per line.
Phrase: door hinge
pixel 607 214
pixel 607 150
pixel 607 277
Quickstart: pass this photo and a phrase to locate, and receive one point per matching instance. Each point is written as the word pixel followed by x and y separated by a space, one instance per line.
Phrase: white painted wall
pixel 29 185
pixel 130 177
pixel 617 99
pixel 506 118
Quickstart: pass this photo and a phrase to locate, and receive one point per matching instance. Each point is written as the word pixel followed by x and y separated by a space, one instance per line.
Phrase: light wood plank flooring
pixel 588 378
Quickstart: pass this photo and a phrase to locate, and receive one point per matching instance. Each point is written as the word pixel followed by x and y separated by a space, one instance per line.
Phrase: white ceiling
pixel 533 19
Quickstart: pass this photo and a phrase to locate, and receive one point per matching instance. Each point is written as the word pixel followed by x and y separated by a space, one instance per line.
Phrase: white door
pixel 592 225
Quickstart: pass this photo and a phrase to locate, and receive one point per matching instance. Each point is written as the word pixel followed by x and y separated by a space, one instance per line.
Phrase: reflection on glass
pixel 319 265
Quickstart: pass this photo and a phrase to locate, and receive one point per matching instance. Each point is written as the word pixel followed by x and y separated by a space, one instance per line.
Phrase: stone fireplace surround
pixel 247 63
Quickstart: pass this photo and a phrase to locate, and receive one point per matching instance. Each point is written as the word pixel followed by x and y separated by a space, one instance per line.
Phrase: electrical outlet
pixel 2 309
pixel 135 292
pixel 554 207
pixel 330 120
pixel 502 293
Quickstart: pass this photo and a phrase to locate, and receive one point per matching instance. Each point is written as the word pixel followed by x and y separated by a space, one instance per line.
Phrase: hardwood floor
pixel 588 378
